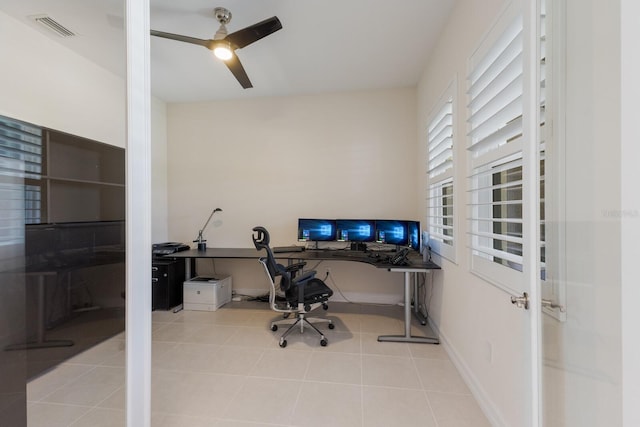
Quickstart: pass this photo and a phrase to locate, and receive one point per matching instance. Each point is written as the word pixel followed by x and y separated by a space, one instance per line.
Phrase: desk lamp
pixel 202 244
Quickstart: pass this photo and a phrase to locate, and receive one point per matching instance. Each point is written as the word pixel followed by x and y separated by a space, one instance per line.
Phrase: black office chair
pixel 303 292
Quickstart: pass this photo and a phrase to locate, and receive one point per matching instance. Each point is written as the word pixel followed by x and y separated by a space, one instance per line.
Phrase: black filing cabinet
pixel 167 278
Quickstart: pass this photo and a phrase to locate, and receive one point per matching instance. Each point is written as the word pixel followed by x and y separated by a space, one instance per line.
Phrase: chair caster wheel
pixel 274 328
pixel 323 343
pixel 283 343
pixel 325 307
pixel 331 326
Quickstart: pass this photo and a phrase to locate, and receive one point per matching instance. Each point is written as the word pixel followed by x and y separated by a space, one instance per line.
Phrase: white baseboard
pixel 357 297
pixel 486 405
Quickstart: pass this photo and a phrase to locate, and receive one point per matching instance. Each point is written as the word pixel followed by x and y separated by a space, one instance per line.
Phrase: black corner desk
pixel 378 260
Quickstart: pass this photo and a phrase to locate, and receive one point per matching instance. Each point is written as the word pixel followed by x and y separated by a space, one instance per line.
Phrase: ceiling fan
pixel 224 45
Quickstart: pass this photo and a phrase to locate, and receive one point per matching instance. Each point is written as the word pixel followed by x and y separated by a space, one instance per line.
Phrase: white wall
pixel 480 328
pixel 270 161
pixel 159 171
pixel 44 83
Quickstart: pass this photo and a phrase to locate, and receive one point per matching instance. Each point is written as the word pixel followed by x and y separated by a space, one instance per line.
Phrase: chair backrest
pixel 261 241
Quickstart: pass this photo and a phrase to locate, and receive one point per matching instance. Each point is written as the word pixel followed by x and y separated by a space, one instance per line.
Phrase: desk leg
pixel 407 337
pixel 416 305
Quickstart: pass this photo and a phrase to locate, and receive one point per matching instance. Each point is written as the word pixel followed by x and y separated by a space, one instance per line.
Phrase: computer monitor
pixel 413 230
pixel 393 232
pixel 356 230
pixel 318 230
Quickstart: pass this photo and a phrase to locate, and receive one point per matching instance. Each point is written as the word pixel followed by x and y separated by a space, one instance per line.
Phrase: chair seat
pixel 315 290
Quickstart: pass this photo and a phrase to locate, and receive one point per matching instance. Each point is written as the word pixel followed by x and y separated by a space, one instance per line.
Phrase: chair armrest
pixel 301 280
pixel 294 269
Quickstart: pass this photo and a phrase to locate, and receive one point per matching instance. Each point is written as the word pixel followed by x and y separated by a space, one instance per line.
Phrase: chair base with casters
pixel 303 292
pixel 300 320
pixel 303 322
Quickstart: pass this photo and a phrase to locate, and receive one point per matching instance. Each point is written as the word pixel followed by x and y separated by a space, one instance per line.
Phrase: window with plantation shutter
pixel 495 134
pixel 440 199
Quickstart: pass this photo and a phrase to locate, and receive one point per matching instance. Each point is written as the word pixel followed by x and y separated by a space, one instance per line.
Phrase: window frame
pixel 498 133
pixel 441 175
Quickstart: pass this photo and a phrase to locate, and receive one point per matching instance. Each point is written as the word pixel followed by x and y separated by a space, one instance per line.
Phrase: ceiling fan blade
pixel 255 32
pixel 181 38
pixel 237 69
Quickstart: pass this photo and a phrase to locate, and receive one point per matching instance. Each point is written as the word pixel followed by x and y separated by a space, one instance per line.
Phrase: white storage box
pixel 206 293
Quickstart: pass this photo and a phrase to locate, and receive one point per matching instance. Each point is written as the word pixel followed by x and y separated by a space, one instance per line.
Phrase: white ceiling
pixel 324 46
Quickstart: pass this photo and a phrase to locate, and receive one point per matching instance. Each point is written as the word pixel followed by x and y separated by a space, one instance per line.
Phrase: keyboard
pixel 294 248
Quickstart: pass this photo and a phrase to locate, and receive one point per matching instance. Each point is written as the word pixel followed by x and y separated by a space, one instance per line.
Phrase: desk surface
pixel 374 258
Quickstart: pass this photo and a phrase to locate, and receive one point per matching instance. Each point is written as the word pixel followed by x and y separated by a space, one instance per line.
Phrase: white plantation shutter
pixel 543 137
pixel 440 166
pixel 495 134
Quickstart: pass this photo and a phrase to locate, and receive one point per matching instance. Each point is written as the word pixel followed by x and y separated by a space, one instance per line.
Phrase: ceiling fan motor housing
pixel 222 15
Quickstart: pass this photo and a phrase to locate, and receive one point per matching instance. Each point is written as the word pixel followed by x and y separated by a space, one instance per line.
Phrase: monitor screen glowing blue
pixel 355 230
pixel 413 229
pixel 319 230
pixel 392 232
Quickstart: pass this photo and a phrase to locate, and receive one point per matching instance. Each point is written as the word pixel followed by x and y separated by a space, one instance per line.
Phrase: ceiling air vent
pixel 53 25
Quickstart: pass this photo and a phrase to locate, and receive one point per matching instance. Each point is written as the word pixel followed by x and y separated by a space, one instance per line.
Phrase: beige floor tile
pixel 225 368
pixel 163 420
pixel 237 317
pixel 396 407
pixel 389 371
pixel 440 375
pixel 370 345
pixel 177 331
pixel 380 325
pixel 116 400
pixel 253 337
pixel 289 364
pixel 235 360
pixel 62 374
pixel 90 388
pixel 342 342
pixel 264 400
pixel 98 354
pixel 189 357
pixel 428 351
pixel 41 414
pixel 214 334
pixel 345 322
pixel 235 423
pixel 456 410
pixel 343 368
pixel 100 417
pixel 327 404
pixel 193 394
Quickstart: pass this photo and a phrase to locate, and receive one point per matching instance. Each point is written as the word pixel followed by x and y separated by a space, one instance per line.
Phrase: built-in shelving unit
pixel 81 180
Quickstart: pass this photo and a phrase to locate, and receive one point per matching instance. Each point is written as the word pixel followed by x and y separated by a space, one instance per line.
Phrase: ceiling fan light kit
pixel 223 51
pixel 223 45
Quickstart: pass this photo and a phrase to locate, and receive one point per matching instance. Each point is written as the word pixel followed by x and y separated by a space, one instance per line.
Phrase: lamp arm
pixel 206 223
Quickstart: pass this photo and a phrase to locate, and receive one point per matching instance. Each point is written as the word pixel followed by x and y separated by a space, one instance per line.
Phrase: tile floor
pixel 225 368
